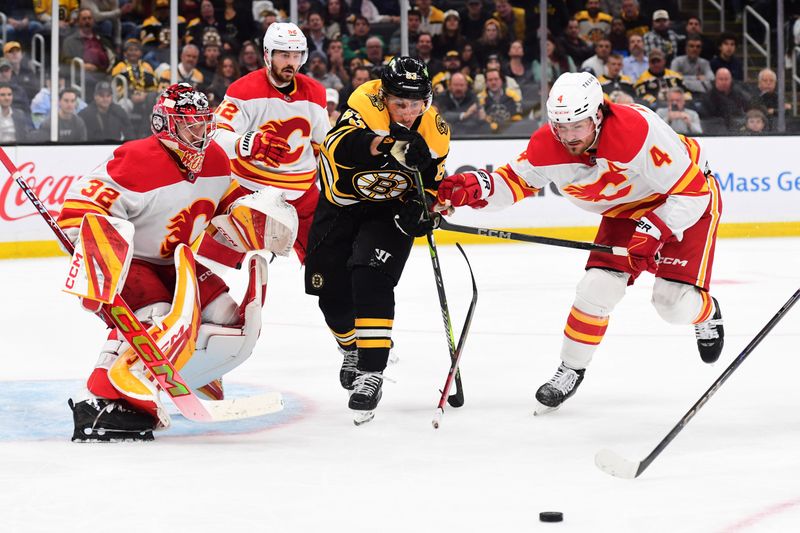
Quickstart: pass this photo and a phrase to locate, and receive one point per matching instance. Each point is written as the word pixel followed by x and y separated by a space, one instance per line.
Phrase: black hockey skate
pixel 366 395
pixel 99 420
pixel 710 336
pixel 560 387
pixel 348 372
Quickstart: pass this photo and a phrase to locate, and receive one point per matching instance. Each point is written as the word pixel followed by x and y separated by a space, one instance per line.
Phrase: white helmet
pixel 287 37
pixel 575 96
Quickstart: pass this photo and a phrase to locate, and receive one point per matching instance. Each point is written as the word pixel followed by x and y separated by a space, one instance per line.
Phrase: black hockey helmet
pixel 406 77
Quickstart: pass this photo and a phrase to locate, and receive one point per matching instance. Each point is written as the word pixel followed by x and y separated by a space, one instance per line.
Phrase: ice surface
pixel 491 467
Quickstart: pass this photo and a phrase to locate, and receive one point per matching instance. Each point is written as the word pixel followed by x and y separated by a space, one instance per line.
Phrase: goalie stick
pixel 457 399
pixel 613 464
pixel 536 239
pixel 135 333
pixel 437 417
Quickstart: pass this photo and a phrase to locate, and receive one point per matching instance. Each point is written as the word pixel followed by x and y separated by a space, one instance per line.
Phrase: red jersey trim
pixel 257 85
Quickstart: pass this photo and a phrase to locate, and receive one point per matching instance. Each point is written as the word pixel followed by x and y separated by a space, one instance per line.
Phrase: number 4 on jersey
pixel 659 158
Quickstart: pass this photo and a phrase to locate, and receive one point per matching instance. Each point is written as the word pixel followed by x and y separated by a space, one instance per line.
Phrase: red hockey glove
pixel 262 146
pixel 469 188
pixel 650 235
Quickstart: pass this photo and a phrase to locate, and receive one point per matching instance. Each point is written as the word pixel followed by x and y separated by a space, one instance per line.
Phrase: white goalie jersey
pixel 300 117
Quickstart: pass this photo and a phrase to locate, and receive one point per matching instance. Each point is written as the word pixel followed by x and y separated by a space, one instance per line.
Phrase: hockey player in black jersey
pixel 368 215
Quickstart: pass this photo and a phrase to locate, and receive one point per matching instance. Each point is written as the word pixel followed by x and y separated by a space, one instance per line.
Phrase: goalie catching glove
pixel 469 188
pixel 259 221
pixel 262 146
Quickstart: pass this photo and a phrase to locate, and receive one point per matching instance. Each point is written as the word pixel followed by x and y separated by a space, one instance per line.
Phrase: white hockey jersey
pixel 142 183
pixel 640 165
pixel 300 117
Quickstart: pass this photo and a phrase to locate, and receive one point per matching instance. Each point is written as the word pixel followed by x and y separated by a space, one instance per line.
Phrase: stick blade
pixel 615 465
pixel 247 407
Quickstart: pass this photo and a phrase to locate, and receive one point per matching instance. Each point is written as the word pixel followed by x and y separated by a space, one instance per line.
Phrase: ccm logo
pixel 494 233
pixel 674 261
pixel 73 271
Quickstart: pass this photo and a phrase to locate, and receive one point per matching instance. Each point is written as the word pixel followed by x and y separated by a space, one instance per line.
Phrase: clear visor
pixel 194 131
pixel 573 131
pixel 406 107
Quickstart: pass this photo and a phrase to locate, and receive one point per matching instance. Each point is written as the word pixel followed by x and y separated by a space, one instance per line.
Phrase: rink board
pixel 759 177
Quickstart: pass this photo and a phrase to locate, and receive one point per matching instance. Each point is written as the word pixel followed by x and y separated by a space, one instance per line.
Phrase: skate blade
pixel 541 409
pixel 362 417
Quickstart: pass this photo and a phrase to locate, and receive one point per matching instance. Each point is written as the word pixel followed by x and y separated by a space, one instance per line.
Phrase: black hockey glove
pixel 414 219
pixel 417 153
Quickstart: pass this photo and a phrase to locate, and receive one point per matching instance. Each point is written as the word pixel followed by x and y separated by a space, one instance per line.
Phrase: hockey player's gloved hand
pixel 264 147
pixel 417 154
pixel 414 219
pixel 650 235
pixel 469 188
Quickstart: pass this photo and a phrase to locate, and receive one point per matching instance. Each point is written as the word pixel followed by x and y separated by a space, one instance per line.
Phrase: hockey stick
pixel 457 399
pixel 135 333
pixel 437 417
pixel 513 236
pixel 613 464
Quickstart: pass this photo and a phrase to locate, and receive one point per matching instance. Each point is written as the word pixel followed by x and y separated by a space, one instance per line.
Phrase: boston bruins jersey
pixel 349 173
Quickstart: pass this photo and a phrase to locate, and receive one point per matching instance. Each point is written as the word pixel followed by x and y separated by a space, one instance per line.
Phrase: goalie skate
pixel 99 420
pixel 561 386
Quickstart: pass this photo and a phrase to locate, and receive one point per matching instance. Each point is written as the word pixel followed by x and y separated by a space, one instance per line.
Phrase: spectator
pixel 450 38
pixel 725 100
pixel 593 24
pixel 635 21
pixel 618 37
pixel 614 79
pixel 573 45
pixel 619 97
pixel 381 11
pixel 500 106
pixel 469 61
pixel 767 98
pixel 558 15
pixel 460 107
pixel 108 16
pixel 356 43
pixel 725 57
pixel 680 119
pixel 139 74
pixel 653 84
pixel 695 27
pixel 87 45
pixel 452 65
pixel 332 104
pixel 21 71
pixel 155 35
pixel 414 21
pixel 432 17
pixel 494 63
pixel 512 17
pixel 318 69
pixel 227 72
pixel 473 17
pixel 197 29
pixel 755 123
pixel 425 54
pixel 493 41
pixel 21 24
pixel 661 36
pixel 211 51
pixel 67 12
pixel 15 123
pixel 21 98
pixel 105 120
pixel 696 71
pixel 237 25
pixel 315 35
pixel 250 59
pixel 360 76
pixel 375 55
pixel 187 67
pixel 70 126
pixel 637 62
pixel 597 63
pixel 521 71
pixel 557 63
pixel 336 19
pixel 335 52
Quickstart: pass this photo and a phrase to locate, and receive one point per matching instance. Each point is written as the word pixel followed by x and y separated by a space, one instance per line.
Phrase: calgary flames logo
pixel 285 129
pixel 596 192
pixel 181 226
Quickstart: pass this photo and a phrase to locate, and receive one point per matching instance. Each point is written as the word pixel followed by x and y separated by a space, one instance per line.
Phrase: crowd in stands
pixel 483 56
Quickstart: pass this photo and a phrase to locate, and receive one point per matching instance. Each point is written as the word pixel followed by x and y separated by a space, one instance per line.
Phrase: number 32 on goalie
pixel 102 195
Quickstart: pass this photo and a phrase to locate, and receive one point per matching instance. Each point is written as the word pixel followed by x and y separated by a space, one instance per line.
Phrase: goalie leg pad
pixel 677 303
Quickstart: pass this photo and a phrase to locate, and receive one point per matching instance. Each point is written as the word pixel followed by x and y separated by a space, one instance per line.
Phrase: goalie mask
pixel 182 120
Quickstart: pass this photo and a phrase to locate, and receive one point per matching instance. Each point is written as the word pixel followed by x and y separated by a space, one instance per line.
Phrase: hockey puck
pixel 551 516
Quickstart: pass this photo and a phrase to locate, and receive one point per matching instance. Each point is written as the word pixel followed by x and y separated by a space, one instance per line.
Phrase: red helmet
pixel 183 121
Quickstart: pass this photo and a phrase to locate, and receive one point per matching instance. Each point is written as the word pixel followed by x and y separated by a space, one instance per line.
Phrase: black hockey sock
pixel 373 296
